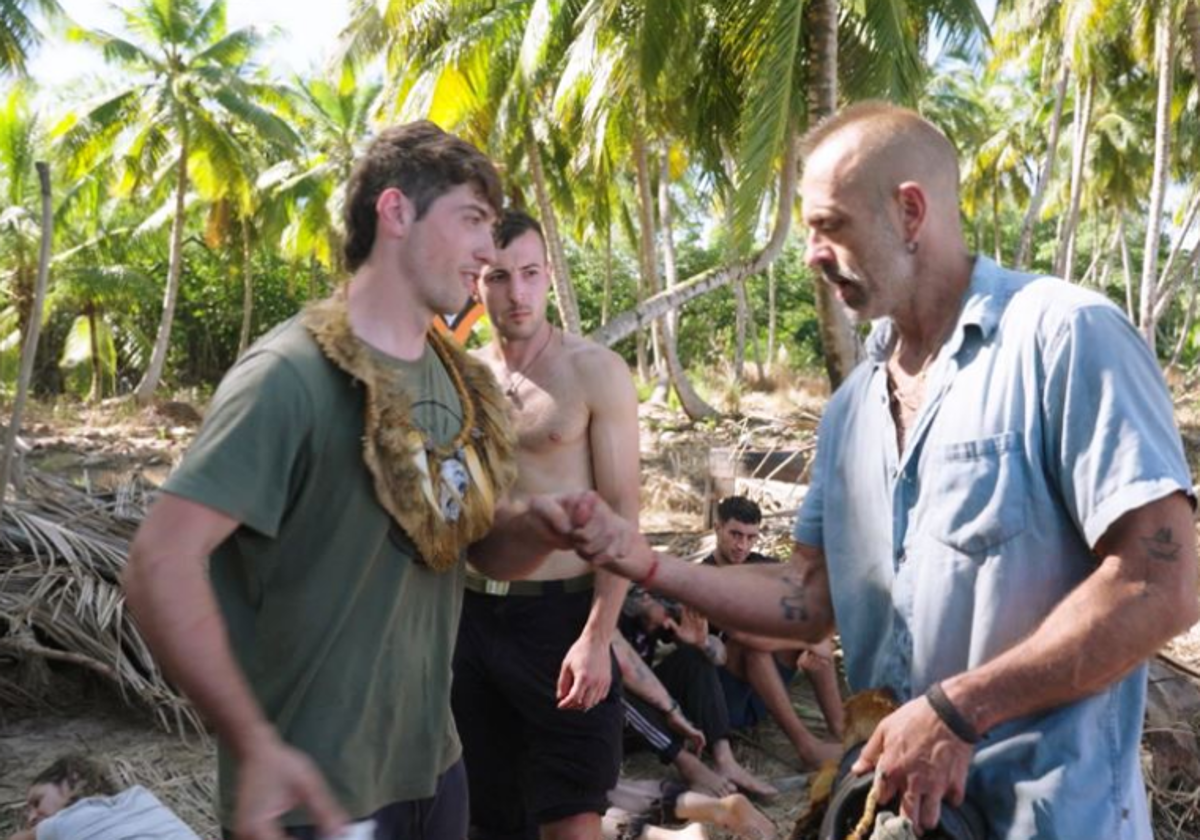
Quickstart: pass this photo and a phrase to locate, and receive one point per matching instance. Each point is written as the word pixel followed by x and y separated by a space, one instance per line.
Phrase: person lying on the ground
pixel 640 808
pixel 758 670
pixel 662 699
pixel 76 799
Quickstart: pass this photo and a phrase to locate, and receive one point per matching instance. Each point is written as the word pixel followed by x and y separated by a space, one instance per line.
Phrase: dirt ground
pixel 105 447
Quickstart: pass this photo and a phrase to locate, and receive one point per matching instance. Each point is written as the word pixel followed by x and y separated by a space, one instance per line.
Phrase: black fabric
pixel 529 762
pixel 689 677
pixel 443 816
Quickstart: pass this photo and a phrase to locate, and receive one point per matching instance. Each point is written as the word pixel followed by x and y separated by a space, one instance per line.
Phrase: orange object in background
pixel 459 326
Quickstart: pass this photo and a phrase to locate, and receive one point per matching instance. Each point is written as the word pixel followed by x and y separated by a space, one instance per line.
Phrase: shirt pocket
pixel 976 493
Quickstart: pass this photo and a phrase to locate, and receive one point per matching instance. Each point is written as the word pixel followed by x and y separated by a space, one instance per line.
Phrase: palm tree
pixel 19 34
pixel 190 87
pixel 20 217
pixel 485 69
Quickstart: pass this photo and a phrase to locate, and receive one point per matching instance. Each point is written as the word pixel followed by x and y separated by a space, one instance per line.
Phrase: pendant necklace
pixel 518 378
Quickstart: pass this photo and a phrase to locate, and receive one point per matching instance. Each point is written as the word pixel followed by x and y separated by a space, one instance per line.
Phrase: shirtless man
pixel 759 669
pixel 535 655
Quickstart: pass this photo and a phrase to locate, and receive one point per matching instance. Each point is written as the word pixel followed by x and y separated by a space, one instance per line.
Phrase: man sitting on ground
pixel 758 669
pixel 662 699
pixel 76 799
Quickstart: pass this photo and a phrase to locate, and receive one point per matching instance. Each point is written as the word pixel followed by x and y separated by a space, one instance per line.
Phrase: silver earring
pixel 911 246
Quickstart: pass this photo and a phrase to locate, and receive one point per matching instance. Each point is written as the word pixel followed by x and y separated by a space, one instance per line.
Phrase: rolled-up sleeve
pixel 1115 446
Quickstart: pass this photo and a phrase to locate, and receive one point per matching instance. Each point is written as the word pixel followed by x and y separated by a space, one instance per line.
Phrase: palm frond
pixel 772 51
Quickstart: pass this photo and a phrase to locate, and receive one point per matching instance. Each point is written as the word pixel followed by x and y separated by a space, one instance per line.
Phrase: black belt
pixel 487 586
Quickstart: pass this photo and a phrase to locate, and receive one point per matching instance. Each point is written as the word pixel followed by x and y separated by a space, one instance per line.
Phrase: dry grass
pixel 61 611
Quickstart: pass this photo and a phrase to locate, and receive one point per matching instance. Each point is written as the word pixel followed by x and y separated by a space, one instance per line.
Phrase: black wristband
pixel 950 716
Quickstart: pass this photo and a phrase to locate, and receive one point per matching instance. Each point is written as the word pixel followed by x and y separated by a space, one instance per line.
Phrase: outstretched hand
pixel 691 628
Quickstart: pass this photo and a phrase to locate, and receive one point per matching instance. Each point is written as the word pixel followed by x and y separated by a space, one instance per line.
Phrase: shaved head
pixel 877 146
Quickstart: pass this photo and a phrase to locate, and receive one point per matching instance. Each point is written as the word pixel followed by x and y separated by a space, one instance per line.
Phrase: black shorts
pixel 529 762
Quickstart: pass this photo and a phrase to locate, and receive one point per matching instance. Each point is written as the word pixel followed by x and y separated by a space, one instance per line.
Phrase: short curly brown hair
pixel 421 160
pixel 79 775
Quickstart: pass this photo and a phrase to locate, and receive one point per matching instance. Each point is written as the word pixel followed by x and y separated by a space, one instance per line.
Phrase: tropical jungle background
pixel 195 189
pixel 189 193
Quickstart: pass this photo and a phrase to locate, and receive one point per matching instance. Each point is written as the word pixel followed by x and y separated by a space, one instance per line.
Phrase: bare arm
pixel 168 590
pixel 644 683
pixel 586 674
pixel 1142 594
pixel 786 600
pixel 523 533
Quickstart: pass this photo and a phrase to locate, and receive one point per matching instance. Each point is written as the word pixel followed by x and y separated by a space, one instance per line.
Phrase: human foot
pixel 700 778
pixel 818 753
pixel 738 814
pixel 745 781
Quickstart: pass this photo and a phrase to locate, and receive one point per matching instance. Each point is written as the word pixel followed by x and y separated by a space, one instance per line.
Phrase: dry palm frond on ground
pixel 62 552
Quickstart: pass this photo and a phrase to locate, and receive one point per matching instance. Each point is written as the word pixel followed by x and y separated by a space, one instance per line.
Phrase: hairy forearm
pixel 176 610
pixel 1140 596
pixel 785 600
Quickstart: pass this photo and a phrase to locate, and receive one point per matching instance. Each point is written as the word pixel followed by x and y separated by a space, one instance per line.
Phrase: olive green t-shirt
pixel 345 638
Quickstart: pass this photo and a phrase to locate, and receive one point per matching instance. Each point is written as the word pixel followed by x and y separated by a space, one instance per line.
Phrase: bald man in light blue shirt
pixel 1000 518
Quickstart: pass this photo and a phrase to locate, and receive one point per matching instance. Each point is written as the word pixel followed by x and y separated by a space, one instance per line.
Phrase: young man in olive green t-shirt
pixel 347 464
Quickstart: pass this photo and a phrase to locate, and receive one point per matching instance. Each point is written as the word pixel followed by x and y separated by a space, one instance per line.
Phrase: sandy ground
pixel 89 716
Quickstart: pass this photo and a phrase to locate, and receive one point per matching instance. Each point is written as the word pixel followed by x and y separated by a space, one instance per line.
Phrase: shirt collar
pixel 983 304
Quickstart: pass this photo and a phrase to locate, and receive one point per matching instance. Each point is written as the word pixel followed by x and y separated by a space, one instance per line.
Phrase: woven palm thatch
pixel 62 552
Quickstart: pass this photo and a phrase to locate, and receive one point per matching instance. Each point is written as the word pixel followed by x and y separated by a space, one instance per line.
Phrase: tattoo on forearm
pixel 1162 546
pixel 792 603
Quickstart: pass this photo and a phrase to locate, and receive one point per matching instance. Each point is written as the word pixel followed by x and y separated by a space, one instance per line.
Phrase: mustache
pixel 833 274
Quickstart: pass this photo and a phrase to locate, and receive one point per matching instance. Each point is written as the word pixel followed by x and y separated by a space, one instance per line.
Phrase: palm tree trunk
pixel 97 389
pixel 1165 60
pixel 1188 317
pixel 1169 279
pixel 649 265
pixel 158 357
pixel 1126 264
pixel 842 348
pixel 771 318
pixel 29 348
pixel 629 322
pixel 606 298
pixel 1025 248
pixel 560 272
pixel 692 403
pixel 247 290
pixel 739 350
pixel 1065 260
pixel 1191 25
pixel 997 229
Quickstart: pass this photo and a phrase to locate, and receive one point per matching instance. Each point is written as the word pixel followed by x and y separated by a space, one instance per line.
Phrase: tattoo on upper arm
pixel 792 604
pixel 1162 546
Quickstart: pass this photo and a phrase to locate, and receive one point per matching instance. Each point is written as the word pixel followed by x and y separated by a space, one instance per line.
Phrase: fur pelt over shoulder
pixel 406 467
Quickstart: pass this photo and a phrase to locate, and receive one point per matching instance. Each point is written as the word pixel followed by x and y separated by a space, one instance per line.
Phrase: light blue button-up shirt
pixel 1045 419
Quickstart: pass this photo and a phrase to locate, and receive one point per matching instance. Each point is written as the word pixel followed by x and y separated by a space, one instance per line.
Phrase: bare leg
pixel 763 676
pixel 727 765
pixel 734 813
pixel 822 673
pixel 700 778
pixel 576 827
